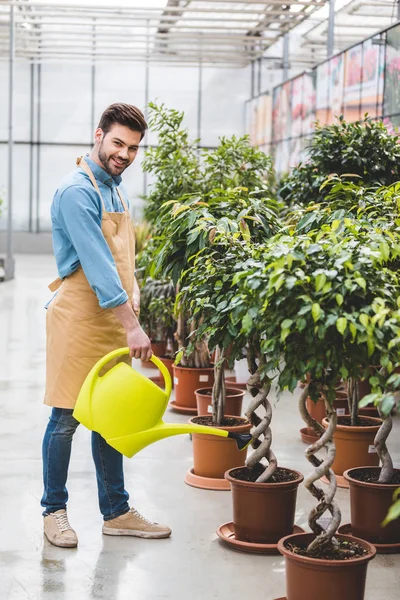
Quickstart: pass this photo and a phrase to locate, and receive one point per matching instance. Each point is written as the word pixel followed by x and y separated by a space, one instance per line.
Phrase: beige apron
pixel 80 332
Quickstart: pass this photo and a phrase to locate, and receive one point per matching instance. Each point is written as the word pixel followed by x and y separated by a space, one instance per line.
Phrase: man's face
pixel 117 148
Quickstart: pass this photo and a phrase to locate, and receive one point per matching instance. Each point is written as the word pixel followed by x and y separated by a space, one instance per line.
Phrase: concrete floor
pixel 193 563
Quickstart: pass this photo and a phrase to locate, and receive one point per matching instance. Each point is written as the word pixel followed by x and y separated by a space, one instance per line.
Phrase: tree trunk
pixel 353 394
pixel 322 467
pixel 382 450
pixel 219 389
pixel 262 435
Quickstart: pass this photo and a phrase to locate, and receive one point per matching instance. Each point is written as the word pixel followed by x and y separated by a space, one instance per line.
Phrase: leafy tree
pixel 364 151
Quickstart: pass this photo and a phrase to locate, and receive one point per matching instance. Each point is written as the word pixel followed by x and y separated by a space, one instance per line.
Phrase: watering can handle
pixel 120 352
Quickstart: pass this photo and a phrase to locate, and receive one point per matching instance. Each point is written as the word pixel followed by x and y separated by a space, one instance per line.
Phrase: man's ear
pixel 98 135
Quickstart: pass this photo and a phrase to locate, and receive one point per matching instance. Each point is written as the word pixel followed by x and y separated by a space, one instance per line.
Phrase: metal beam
pixel 9 263
pixel 331 29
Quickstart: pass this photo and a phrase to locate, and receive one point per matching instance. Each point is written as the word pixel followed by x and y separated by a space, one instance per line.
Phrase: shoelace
pixel 141 517
pixel 62 522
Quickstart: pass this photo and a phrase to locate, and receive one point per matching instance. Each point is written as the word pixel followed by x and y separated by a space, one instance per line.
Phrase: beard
pixel 108 161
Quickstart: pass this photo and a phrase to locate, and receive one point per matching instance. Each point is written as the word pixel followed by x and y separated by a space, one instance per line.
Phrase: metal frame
pixel 213 32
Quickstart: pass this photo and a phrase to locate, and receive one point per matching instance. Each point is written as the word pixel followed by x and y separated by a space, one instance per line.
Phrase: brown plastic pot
pixel 263 512
pixel 315 578
pixel 354 446
pixel 369 504
pixel 213 455
pixel 187 380
pixel 233 404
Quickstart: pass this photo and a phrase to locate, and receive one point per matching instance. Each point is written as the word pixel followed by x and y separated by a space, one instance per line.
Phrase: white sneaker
pixel 58 530
pixel 135 524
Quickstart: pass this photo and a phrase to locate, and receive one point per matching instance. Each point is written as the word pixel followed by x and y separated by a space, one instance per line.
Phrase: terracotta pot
pixel 369 504
pixel 187 380
pixel 316 409
pixel 213 455
pixel 233 404
pixel 354 446
pixel 315 578
pixel 263 512
pixel 159 349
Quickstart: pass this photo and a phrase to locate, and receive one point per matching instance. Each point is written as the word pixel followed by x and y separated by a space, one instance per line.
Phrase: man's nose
pixel 123 154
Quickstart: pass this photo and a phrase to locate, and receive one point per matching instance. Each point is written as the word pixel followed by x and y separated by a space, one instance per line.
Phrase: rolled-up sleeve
pixel 80 219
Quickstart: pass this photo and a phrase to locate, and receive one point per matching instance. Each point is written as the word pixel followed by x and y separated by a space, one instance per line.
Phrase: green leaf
pixel 341 325
pixel 361 282
pixel 286 324
pixel 178 357
pixel 364 319
pixel 339 299
pixel 320 281
pixel 316 311
pixel 353 330
pixel 247 323
pixel 385 250
pixel 371 346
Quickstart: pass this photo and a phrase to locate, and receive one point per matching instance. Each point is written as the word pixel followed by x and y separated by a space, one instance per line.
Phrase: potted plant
pixel 186 225
pixel 315 289
pixel 372 488
pixel 264 494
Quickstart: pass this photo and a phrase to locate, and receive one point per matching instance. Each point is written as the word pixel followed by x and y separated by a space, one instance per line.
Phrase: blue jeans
pixel 56 452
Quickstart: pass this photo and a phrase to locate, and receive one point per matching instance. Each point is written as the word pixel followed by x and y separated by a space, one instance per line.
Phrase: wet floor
pixel 194 563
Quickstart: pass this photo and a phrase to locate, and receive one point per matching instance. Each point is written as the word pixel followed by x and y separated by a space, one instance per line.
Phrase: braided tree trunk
pixel 387 470
pixel 219 389
pixel 262 435
pixel 322 467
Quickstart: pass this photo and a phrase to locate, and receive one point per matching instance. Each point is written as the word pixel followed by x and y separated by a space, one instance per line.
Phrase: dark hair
pixel 123 114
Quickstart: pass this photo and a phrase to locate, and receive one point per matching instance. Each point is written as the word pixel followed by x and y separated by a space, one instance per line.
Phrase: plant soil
pixel 367 476
pixel 246 474
pixel 345 551
pixel 226 421
pixel 209 392
pixel 362 422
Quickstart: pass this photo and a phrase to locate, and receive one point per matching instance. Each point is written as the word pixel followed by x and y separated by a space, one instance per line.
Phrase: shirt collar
pixel 102 175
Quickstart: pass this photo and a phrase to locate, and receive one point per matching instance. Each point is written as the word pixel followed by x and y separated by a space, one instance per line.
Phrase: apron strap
pixel 54 285
pixel 81 162
pixel 122 200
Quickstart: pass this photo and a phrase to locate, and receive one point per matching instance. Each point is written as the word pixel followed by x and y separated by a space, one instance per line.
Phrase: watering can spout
pixel 126 408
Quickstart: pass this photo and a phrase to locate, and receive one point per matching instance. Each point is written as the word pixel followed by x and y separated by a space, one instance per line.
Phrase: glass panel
pixel 391 105
pixel 20 186
pixel 309 97
pixel 336 81
pixel 65 103
pixel 352 83
pixel 281 112
pixel 322 92
pixel 297 107
pixel 371 75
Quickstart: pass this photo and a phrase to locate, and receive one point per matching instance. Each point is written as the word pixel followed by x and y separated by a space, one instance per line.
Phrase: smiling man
pixel 94 311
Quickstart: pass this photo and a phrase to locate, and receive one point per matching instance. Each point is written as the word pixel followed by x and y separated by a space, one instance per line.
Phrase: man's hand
pixel 139 344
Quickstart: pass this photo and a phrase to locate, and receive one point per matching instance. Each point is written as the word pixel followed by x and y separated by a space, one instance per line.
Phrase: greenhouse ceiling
pixel 226 33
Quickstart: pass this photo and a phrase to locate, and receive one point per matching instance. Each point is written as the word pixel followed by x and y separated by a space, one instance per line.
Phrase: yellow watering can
pixel 126 408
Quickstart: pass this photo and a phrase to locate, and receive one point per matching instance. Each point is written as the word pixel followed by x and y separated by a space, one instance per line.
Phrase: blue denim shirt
pixel 76 214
